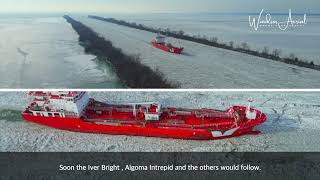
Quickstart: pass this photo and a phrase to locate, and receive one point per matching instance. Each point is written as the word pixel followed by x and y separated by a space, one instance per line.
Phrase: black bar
pixel 209 165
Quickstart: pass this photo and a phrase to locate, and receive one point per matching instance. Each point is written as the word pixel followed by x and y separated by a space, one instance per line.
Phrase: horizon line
pixel 180 12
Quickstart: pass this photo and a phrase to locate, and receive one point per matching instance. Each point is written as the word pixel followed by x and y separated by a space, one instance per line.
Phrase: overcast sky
pixel 142 6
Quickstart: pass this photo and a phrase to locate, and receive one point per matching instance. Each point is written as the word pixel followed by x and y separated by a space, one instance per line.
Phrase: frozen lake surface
pixel 304 41
pixel 292 125
pixel 43 52
pixel 202 66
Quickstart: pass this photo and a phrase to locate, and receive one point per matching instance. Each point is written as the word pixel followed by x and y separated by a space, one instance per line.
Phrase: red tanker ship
pixel 76 111
pixel 160 43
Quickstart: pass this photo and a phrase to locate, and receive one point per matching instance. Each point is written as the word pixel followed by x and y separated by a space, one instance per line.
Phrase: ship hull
pixel 82 125
pixel 165 48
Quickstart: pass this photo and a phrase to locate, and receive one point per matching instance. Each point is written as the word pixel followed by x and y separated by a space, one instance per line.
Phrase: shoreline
pixel 128 68
pixel 244 48
pixel 205 67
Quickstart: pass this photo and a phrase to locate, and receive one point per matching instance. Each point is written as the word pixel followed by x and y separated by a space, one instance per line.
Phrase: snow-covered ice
pixel 304 41
pixel 203 66
pixel 43 51
pixel 292 125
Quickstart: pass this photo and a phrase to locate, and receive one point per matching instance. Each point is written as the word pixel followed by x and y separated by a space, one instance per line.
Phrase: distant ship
pixel 160 43
pixel 76 111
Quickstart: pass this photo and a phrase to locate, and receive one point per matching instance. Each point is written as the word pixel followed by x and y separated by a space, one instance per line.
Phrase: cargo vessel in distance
pixel 160 43
pixel 76 111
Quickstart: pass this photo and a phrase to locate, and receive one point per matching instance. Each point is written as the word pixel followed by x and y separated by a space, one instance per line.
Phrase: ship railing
pixel 99 108
pixel 114 121
pixel 183 113
pixel 214 114
pixel 109 109
pixel 74 96
pixel 203 112
pixel 182 125
pixel 124 109
pixel 38 93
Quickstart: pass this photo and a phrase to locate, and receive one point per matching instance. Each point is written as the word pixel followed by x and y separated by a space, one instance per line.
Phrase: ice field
pixel 292 125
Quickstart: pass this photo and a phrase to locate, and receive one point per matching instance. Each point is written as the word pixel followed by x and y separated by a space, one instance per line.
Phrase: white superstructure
pixel 59 103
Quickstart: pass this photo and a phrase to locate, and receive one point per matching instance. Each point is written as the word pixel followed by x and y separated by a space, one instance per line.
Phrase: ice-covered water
pixel 304 41
pixel 292 125
pixel 202 66
pixel 40 51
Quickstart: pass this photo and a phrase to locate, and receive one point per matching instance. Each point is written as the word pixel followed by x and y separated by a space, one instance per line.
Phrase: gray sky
pixel 142 6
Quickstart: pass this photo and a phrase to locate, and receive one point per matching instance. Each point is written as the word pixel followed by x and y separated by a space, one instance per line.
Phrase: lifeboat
pixel 76 111
pixel 160 43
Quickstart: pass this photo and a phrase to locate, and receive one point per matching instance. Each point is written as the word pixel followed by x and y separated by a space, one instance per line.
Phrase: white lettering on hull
pixel 224 134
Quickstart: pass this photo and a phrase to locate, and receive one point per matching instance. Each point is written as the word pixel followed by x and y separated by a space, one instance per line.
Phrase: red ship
pixel 160 43
pixel 76 111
